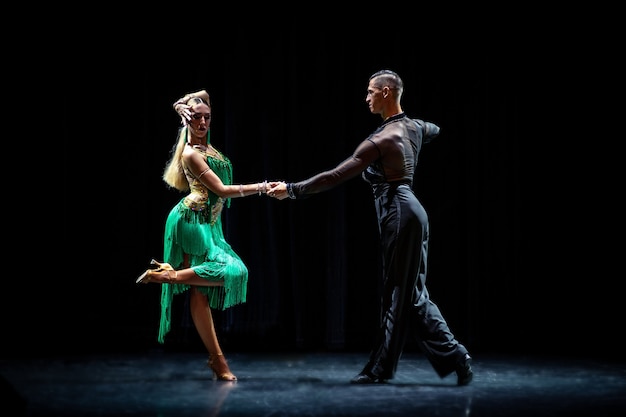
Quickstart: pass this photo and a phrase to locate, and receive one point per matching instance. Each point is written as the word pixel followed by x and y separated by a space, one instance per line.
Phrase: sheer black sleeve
pixel 365 154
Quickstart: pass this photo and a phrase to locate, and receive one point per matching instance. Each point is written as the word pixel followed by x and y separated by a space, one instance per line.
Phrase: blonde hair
pixel 174 175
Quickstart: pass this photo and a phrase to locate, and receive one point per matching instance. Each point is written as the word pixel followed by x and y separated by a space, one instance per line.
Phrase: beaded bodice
pixel 200 198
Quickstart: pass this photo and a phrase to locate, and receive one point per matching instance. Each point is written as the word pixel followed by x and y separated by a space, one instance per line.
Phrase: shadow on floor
pixel 305 384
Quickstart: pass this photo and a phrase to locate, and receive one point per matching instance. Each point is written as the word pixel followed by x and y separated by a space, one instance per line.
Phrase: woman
pixel 197 257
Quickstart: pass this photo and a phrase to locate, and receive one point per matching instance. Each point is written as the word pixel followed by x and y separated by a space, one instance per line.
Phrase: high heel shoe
pixel 220 369
pixel 163 273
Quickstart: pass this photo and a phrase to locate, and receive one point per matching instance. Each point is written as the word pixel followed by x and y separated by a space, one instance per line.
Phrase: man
pixel 387 160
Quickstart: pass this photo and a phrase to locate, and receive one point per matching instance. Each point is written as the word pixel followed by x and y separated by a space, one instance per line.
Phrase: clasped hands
pixel 277 190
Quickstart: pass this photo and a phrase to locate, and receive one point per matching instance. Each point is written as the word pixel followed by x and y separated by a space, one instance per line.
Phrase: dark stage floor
pixel 165 384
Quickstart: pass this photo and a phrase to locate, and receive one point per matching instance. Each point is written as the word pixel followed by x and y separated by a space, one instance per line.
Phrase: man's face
pixel 374 98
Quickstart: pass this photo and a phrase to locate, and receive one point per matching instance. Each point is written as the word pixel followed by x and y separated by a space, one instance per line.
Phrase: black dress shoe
pixel 464 372
pixel 366 379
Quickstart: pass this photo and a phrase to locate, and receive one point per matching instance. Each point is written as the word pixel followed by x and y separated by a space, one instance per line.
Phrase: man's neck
pixel 392 111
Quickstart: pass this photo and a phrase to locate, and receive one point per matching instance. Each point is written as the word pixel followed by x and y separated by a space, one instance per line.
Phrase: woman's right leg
pixel 165 274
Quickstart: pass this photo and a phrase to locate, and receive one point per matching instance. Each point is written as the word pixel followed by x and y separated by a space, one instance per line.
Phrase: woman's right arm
pixel 184 110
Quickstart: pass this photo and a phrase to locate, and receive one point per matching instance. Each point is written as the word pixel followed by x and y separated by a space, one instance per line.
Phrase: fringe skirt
pixel 200 237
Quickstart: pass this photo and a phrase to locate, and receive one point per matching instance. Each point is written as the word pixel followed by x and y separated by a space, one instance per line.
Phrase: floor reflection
pixel 306 384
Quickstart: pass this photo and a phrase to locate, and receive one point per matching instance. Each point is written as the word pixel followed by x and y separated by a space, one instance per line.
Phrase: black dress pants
pixel 406 307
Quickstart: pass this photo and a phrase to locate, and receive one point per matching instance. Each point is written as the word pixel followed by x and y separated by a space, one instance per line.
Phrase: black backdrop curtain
pixel 286 107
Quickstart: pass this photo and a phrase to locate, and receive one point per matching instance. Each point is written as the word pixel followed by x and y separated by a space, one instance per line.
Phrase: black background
pixel 516 264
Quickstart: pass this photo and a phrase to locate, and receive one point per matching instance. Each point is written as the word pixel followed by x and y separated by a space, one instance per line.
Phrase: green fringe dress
pixel 194 228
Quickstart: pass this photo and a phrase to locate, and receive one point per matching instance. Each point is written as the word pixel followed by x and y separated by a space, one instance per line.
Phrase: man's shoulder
pixel 429 129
